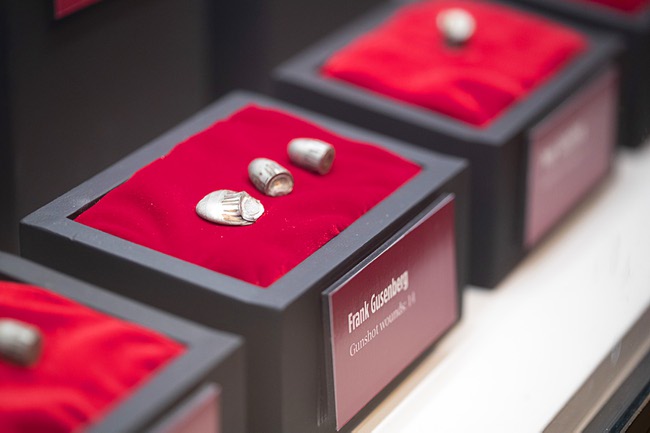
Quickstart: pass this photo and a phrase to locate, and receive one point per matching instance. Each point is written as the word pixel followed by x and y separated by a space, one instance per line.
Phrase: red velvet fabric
pixel 89 362
pixel 406 58
pixel 627 6
pixel 156 206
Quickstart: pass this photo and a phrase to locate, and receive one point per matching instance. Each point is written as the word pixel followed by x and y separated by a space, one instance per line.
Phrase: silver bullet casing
pixel 270 177
pixel 230 208
pixel 20 343
pixel 456 25
pixel 312 154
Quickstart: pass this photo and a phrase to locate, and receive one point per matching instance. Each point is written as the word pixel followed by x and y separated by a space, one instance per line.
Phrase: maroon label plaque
pixel 391 309
pixel 569 152
pixel 63 8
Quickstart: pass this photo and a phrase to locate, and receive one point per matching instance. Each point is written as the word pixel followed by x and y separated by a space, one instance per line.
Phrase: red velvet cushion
pixel 627 6
pixel 156 207
pixel 406 58
pixel 89 362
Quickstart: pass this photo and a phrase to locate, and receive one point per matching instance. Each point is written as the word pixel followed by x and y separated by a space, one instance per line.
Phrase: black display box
pixel 634 30
pixel 83 91
pixel 206 381
pixel 285 325
pixel 499 154
pixel 272 31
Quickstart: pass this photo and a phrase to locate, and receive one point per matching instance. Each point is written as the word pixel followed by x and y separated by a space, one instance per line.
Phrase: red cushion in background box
pixel 627 6
pixel 90 361
pixel 406 58
pixel 156 206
